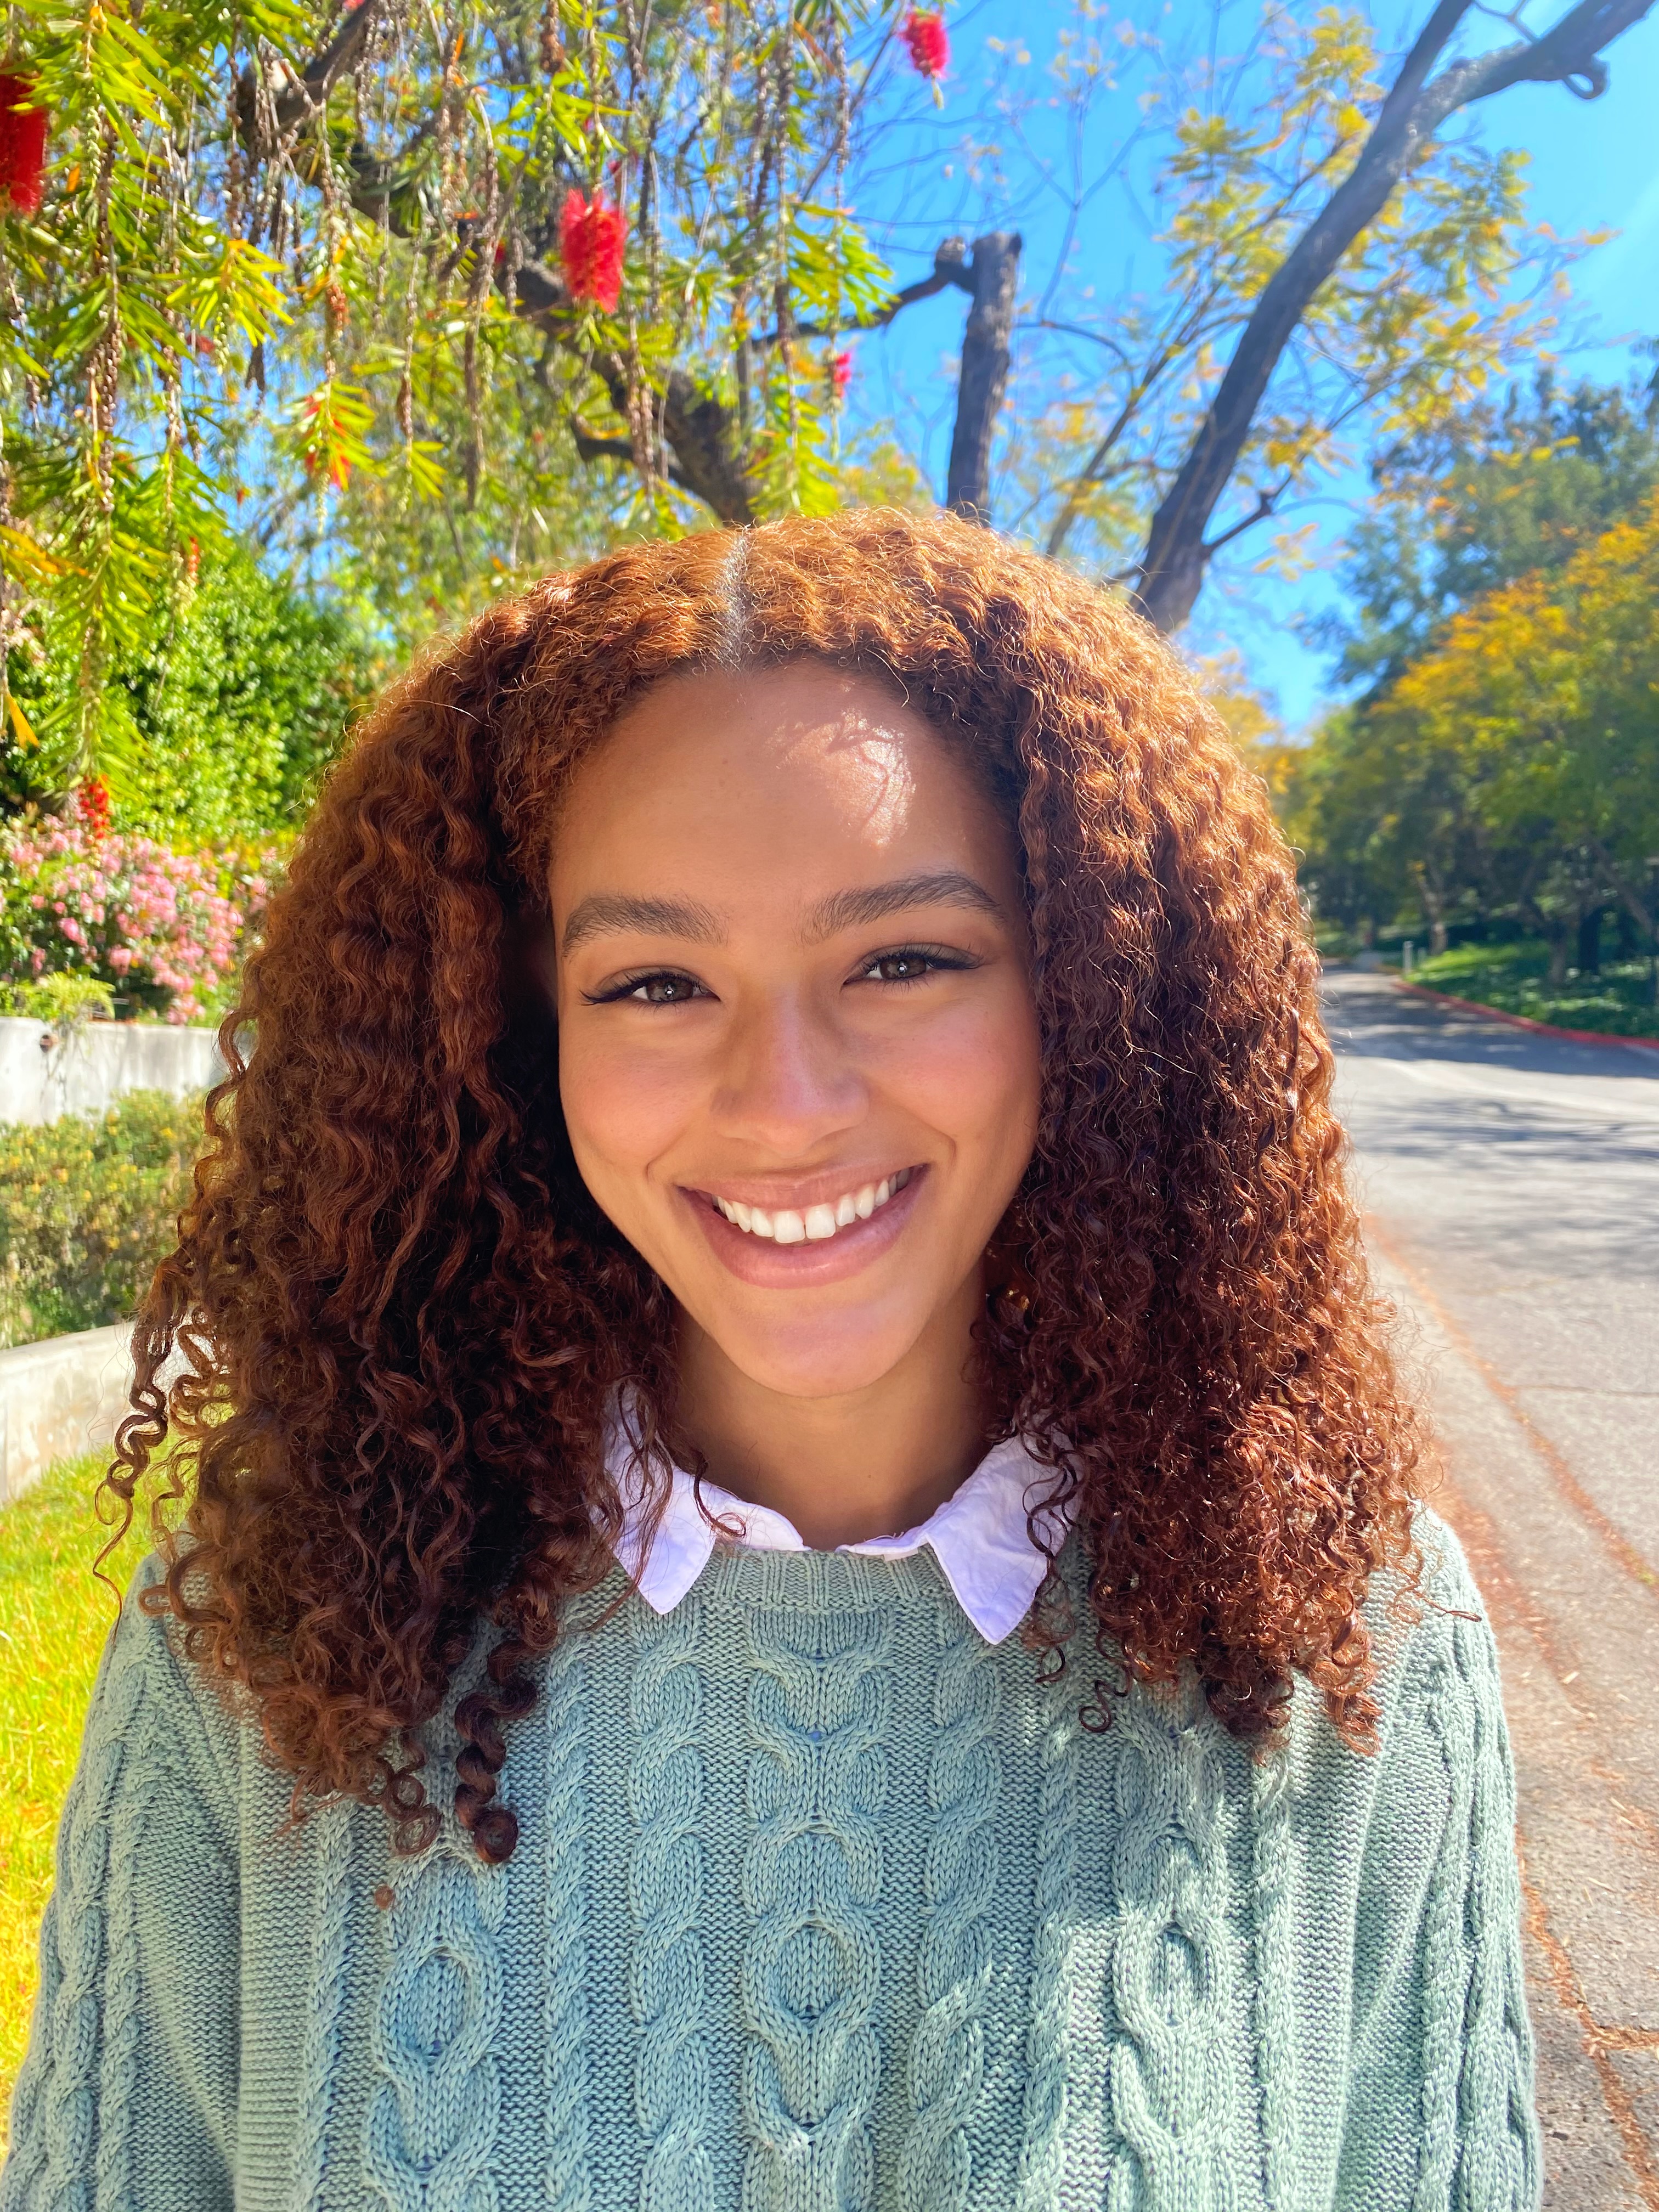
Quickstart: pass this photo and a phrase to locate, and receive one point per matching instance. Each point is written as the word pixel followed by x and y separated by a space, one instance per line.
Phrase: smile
pixel 814 1224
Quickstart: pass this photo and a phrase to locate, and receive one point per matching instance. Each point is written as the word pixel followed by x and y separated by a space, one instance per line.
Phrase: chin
pixel 835 1358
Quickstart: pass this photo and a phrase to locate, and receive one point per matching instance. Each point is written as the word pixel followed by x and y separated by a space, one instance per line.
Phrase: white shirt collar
pixel 979 1535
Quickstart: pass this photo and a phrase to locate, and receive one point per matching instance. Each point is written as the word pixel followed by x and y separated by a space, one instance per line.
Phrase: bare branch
pixel 950 268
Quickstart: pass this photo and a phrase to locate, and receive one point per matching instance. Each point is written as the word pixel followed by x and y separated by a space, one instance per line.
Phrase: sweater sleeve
pixel 127 2097
pixel 1440 2114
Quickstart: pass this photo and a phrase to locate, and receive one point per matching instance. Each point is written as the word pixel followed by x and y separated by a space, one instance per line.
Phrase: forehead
pixel 763 786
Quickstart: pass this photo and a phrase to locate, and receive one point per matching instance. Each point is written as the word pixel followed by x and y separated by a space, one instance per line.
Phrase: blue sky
pixel 1592 166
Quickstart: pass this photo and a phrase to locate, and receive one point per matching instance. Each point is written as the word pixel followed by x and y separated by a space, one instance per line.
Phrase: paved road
pixel 1511 1184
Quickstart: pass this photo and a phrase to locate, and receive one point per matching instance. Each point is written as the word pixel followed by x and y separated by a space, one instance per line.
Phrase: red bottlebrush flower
pixel 841 372
pixel 592 235
pixel 192 563
pixel 92 804
pixel 923 32
pixel 22 145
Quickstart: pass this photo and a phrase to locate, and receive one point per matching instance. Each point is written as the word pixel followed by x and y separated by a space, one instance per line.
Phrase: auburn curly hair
pixel 395 1322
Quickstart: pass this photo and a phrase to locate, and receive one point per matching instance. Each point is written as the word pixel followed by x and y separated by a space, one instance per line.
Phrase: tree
pixel 1421 99
pixel 1498 490
pixel 1513 768
pixel 359 244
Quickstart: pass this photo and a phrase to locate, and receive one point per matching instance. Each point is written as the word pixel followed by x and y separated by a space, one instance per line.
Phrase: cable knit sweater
pixel 820 1904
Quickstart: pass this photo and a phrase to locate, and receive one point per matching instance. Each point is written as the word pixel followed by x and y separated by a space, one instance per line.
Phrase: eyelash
pixel 939 958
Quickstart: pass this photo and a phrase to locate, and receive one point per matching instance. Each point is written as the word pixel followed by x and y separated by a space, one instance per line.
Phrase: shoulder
pixel 1431 1630
pixel 155 1704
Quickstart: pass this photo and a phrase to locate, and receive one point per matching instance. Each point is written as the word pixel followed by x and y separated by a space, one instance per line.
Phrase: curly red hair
pixel 397 1321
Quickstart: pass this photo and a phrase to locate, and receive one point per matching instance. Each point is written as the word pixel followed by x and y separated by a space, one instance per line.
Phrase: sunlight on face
pixel 798 1047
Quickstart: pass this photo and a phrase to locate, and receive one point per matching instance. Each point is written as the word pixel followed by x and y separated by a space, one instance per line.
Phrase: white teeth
pixel 790 1226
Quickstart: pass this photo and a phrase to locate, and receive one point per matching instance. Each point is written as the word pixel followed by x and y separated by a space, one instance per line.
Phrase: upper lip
pixel 772 1195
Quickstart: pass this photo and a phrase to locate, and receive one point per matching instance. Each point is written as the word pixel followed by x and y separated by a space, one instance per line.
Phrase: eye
pixel 913 963
pixel 663 986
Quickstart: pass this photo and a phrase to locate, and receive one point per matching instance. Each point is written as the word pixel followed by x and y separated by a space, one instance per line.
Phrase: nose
pixel 789 1081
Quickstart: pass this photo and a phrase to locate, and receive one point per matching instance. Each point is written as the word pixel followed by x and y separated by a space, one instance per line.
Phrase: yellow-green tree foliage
pixel 1514 766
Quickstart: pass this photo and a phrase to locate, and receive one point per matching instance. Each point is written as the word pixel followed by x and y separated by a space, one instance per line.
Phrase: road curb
pixel 1522 1021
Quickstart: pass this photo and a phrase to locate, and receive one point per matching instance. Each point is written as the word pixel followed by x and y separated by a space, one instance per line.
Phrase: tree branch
pixel 591 448
pixel 1172 566
pixel 950 267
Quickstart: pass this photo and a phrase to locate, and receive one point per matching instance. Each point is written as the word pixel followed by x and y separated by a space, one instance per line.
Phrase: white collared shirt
pixel 979 1535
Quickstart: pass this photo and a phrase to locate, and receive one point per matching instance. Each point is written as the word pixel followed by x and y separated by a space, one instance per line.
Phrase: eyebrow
pixel 858 909
pixel 605 913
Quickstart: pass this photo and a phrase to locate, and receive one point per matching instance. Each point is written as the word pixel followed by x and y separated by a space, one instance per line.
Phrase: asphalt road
pixel 1510 1185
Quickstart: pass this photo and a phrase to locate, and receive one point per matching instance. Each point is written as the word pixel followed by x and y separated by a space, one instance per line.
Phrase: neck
pixel 869 1463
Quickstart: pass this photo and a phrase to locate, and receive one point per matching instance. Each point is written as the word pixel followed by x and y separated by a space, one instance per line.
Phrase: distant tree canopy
pixel 1504 765
pixel 1501 489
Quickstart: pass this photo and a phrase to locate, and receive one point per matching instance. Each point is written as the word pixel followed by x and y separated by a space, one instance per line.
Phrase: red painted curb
pixel 1522 1021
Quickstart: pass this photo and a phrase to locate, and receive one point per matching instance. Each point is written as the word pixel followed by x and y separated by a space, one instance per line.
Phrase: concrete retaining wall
pixel 45 1073
pixel 59 1398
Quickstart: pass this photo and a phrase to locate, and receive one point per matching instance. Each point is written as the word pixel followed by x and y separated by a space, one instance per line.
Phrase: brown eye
pixel 901 967
pixel 664 990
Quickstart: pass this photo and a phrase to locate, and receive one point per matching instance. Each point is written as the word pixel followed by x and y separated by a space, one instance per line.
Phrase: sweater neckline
pixel 980 1537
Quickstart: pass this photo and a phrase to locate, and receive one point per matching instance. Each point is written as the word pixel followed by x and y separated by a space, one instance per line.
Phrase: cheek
pixel 972 1074
pixel 623 1108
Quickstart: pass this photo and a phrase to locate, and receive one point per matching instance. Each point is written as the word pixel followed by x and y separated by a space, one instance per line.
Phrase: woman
pixel 800 1588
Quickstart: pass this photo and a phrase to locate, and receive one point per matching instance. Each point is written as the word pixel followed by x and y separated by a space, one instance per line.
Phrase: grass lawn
pixel 54 1617
pixel 1514 977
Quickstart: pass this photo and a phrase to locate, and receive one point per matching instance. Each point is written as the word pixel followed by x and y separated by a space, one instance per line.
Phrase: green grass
pixel 1514 977
pixel 54 1617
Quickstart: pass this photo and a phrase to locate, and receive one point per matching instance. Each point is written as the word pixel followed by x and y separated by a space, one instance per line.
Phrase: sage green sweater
pixel 820 1904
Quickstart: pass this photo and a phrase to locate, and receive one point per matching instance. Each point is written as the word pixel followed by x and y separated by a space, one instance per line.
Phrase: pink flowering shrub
pixel 163 929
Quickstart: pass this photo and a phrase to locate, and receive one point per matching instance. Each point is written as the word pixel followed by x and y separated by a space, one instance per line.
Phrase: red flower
pixel 591 235
pixel 192 563
pixel 92 804
pixel 841 372
pixel 22 145
pixel 923 33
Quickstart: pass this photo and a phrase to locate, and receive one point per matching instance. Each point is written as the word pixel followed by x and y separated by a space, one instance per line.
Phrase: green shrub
pixel 1514 977
pixel 65 1001
pixel 87 1206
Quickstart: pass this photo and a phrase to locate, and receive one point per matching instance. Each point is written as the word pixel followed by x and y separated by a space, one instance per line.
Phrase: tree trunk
pixel 1590 941
pixel 1558 969
pixel 1434 907
pixel 984 377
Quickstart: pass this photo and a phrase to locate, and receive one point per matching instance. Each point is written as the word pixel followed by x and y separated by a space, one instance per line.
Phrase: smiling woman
pixel 786 1139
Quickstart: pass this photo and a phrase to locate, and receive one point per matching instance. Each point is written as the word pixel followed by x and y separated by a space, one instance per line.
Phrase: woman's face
pixel 798 1048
